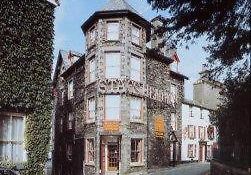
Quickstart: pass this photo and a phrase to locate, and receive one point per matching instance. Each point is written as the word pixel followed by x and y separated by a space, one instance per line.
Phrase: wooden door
pixel 113 157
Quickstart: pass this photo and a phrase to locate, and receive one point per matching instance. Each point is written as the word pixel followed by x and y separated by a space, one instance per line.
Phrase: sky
pixel 71 14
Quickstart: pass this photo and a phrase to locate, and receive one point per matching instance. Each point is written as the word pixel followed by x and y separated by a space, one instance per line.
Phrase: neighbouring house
pixel 117 108
pixel 13 111
pixel 199 136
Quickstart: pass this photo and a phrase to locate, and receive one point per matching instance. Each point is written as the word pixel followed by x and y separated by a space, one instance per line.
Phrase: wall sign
pixel 123 86
pixel 111 126
pixel 159 126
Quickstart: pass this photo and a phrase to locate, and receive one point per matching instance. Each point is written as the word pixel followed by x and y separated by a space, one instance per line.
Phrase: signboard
pixel 111 126
pixel 159 125
pixel 124 86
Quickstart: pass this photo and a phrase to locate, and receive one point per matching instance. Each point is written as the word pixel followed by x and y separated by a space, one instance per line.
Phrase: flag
pixel 175 57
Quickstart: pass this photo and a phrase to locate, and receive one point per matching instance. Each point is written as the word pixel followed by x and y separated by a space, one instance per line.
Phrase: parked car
pixel 5 171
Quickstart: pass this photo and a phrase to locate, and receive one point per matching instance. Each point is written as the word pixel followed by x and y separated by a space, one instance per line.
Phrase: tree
pixel 226 25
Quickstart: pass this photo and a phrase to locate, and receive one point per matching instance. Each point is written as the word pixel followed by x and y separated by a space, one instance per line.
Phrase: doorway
pixel 202 152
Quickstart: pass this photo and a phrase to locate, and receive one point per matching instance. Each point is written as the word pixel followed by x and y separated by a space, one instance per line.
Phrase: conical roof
pixel 114 5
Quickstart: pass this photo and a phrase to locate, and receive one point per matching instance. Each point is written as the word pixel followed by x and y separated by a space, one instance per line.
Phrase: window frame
pixel 105 108
pixel 118 66
pixel 109 37
pixel 87 151
pixel 189 132
pixel 175 128
pixel 138 58
pixel 140 119
pixel 91 73
pixel 70 121
pixel 141 155
pixel 69 152
pixel 88 119
pixel 70 89
pixel 135 26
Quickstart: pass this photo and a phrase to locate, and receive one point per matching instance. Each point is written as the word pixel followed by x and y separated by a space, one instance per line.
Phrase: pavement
pixel 184 169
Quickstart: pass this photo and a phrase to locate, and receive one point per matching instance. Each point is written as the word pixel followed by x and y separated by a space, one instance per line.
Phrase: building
pixel 199 136
pixel 117 108
pixel 13 108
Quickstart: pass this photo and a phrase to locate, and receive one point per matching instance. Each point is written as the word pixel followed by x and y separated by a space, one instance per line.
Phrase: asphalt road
pixel 185 169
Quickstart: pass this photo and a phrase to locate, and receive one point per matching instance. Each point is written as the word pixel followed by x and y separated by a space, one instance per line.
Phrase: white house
pixel 198 134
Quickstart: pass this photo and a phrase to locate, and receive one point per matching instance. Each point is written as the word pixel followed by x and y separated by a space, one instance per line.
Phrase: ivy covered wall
pixel 26 46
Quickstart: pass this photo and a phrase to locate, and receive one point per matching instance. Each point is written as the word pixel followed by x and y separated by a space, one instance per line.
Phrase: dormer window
pixel 136 35
pixel 113 30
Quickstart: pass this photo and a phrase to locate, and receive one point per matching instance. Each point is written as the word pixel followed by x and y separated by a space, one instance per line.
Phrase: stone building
pixel 199 136
pixel 117 108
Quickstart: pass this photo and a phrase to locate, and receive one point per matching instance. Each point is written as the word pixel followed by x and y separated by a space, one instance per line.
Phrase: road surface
pixel 185 169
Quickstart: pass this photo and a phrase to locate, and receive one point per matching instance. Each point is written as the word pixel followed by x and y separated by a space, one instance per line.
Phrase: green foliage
pixel 26 35
pixel 225 24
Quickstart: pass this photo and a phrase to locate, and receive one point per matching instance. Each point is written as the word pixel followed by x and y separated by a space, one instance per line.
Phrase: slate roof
pixel 114 5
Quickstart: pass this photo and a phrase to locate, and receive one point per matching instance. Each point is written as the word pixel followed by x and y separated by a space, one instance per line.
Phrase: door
pixel 202 155
pixel 113 156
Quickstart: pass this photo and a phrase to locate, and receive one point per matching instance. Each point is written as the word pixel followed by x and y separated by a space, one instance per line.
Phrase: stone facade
pixel 113 140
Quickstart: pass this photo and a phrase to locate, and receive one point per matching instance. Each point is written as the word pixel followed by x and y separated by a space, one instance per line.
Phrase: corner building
pixel 121 101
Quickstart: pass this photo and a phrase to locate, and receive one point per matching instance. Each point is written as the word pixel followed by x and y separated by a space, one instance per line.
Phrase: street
pixel 185 169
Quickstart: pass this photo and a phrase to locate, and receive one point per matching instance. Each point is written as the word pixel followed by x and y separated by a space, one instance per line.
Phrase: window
pixel 112 65
pixel 91 109
pixel 173 121
pixel 69 151
pixel 70 89
pixel 136 35
pixel 173 91
pixel 191 153
pixel 191 131
pixel 92 70
pixel 70 121
pixel 135 68
pixel 12 138
pixel 135 109
pixel 113 30
pixel 92 35
pixel 201 132
pixel 209 152
pixel 191 111
pixel 112 107
pixel 90 151
pixel 137 150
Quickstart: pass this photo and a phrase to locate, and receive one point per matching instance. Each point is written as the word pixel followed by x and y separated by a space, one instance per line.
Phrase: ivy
pixel 26 46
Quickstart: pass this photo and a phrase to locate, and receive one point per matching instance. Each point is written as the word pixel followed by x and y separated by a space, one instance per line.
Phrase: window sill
pixel 137 164
pixel 137 121
pixel 89 164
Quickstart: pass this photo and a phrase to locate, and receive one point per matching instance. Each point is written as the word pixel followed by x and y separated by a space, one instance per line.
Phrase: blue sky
pixel 71 14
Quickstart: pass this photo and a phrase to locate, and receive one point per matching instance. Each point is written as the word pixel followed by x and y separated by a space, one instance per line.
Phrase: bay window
pixel 112 107
pixel 12 138
pixel 137 150
pixel 113 30
pixel 135 68
pixel 135 109
pixel 136 35
pixel 112 65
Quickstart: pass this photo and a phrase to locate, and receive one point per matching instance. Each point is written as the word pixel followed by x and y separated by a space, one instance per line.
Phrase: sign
pixel 127 86
pixel 159 126
pixel 111 126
